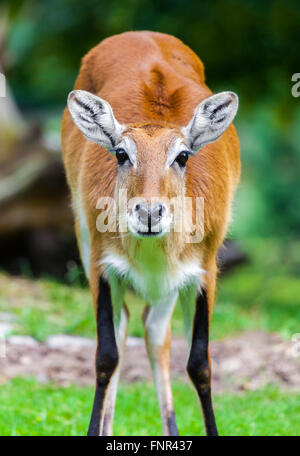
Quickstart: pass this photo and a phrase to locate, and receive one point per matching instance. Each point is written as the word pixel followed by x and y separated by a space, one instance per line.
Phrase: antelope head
pixel 151 157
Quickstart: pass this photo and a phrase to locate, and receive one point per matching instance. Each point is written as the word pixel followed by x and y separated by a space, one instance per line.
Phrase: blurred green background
pixel 249 46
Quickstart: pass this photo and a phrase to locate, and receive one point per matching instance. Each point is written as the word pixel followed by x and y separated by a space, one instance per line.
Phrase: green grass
pixel 265 294
pixel 45 409
pixel 46 307
pixel 262 295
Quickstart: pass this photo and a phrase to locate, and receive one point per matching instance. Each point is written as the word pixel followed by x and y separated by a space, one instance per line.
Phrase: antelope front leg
pixel 107 356
pixel 198 364
pixel 110 401
pixel 158 340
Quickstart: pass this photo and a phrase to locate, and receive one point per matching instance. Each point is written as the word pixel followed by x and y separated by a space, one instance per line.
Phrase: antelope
pixel 142 120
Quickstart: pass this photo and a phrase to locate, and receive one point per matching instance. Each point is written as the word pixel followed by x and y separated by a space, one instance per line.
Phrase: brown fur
pixel 153 83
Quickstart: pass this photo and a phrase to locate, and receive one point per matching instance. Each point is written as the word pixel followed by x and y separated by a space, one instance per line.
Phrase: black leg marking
pixel 107 356
pixel 198 366
pixel 172 426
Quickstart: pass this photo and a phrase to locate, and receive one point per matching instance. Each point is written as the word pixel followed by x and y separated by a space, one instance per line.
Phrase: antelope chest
pixel 153 274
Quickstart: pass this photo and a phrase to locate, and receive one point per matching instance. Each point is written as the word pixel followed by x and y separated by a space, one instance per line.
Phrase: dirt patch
pixel 249 361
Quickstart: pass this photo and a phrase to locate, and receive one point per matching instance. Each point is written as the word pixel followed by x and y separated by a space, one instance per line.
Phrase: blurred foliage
pixel 248 46
pixel 268 203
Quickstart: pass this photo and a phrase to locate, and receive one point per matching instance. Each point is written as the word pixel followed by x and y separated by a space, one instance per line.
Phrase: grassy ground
pixel 48 410
pixel 264 294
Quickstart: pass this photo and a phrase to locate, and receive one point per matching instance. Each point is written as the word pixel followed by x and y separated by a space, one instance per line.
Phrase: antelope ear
pixel 211 118
pixel 95 118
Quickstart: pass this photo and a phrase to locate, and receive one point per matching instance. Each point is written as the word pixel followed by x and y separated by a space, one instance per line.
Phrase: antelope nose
pixel 157 213
pixel 143 213
pixel 149 215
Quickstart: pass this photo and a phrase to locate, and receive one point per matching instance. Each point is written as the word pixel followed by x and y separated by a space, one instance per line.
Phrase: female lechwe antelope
pixel 141 120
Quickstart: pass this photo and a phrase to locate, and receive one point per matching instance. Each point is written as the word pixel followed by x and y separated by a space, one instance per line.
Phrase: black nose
pixel 149 216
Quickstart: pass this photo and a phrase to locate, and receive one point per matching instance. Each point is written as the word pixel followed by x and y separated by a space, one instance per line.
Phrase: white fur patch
pixel 153 279
pixel 187 299
pixel 84 240
pixel 211 118
pixel 130 148
pixel 115 263
pixel 174 150
pixel 95 118
pixel 158 319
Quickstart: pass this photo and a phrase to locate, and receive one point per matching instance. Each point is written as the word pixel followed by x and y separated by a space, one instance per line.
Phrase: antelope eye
pixel 182 158
pixel 121 156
